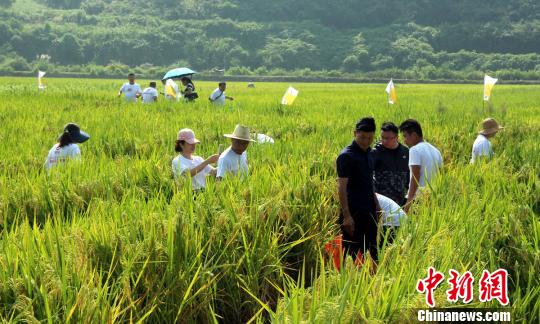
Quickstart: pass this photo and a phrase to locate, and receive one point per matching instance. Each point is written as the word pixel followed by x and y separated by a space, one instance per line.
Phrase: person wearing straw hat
pixel 234 159
pixel 187 164
pixel 67 147
pixel 482 145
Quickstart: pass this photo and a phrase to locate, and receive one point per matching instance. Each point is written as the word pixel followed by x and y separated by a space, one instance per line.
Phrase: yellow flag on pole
pixel 489 82
pixel 289 96
pixel 41 74
pixel 391 92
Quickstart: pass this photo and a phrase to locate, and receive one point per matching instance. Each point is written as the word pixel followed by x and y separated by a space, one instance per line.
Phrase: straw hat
pixel 490 126
pixel 241 132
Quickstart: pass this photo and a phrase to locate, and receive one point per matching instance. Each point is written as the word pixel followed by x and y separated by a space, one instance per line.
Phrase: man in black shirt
pixel 359 218
pixel 391 165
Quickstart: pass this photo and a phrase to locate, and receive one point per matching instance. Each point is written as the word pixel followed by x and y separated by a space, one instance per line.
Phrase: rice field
pixel 113 238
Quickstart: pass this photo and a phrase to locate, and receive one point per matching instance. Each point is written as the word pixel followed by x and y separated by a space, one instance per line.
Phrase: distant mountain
pixel 346 35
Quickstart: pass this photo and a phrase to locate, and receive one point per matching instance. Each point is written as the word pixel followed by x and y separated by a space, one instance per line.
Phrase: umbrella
pixel 178 73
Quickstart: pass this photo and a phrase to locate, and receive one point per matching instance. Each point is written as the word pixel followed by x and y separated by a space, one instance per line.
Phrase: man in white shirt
pixel 150 94
pixel 482 145
pixel 218 96
pixel 424 159
pixel 234 159
pixel 130 89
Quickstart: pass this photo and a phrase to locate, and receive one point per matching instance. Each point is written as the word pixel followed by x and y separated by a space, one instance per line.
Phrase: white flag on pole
pixel 391 92
pixel 489 82
pixel 41 74
pixel 289 96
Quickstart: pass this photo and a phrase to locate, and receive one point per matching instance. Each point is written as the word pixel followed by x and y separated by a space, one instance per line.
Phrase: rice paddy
pixel 114 238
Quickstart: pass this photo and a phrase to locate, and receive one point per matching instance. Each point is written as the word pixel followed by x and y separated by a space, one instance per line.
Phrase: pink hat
pixel 187 135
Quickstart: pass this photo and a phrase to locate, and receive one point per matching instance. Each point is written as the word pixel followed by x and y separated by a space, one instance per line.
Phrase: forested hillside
pixel 430 39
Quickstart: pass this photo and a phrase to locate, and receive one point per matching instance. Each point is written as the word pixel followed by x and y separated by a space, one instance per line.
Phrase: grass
pixel 114 238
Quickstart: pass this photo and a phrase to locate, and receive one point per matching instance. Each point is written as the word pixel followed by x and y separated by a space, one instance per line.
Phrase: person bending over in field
pixel 482 145
pixel 391 165
pixel 130 89
pixel 150 94
pixel 359 206
pixel 234 159
pixel 392 216
pixel 424 159
pixel 66 148
pixel 193 166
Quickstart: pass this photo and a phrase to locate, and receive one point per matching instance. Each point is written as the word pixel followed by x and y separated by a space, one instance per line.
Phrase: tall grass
pixel 114 238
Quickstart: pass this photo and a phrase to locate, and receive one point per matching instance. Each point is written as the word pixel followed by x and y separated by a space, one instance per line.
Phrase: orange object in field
pixel 334 249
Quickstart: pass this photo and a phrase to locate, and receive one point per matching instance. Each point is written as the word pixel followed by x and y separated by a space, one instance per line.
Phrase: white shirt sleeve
pixel 221 167
pixel 123 88
pixel 138 89
pixel 415 158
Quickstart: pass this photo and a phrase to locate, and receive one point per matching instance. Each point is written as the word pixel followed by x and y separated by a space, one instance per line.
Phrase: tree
pixel 67 50
pixel 358 59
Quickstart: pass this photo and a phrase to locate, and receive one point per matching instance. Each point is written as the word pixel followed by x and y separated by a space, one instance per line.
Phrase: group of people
pixel 132 91
pixel 372 182
pixel 231 162
pixel 384 181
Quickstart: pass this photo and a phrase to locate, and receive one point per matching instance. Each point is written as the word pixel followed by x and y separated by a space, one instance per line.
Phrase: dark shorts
pixel 365 234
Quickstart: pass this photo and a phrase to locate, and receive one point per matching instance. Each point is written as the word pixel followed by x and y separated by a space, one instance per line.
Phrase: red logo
pixel 460 287
pixel 494 286
pixel 429 284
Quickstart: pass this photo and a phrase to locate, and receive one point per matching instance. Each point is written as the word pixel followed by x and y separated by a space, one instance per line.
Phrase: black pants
pixel 364 238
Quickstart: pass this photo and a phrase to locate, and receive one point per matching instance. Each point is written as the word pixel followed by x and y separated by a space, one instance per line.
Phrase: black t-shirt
pixel 391 172
pixel 356 165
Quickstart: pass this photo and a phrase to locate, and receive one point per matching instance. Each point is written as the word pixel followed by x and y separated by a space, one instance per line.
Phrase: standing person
pixel 187 164
pixel 189 89
pixel 358 219
pixel 391 165
pixel 424 159
pixel 234 159
pixel 392 215
pixel 482 145
pixel 66 148
pixel 130 89
pixel 150 94
pixel 171 91
pixel 218 96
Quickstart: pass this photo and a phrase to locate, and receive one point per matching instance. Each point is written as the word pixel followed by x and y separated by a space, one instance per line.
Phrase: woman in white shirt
pixel 66 148
pixel 187 164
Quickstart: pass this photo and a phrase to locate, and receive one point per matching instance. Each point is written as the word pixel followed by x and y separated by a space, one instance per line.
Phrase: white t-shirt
pixel 149 94
pixel 174 85
pixel 481 147
pixel 428 158
pixel 391 211
pixel 181 166
pixel 61 154
pixel 230 162
pixel 130 91
pixel 218 97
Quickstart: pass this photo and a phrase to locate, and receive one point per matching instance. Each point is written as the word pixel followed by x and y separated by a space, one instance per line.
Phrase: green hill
pixel 426 38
